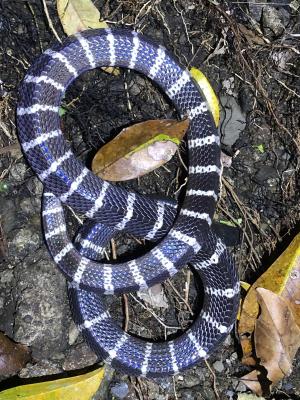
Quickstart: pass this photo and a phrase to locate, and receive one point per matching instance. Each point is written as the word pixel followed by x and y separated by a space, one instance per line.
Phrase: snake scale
pixel 184 234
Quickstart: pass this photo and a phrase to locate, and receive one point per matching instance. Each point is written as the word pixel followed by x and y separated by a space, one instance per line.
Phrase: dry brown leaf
pixel 139 149
pixel 277 339
pixel 250 36
pixel 283 278
pixel 13 356
pixel 277 336
pixel 252 381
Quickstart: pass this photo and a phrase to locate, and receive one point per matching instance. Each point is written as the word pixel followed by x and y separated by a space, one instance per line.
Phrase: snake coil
pixel 109 208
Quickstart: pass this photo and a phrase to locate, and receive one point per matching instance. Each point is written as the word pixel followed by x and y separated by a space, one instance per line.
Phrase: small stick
pixel 174 387
pixel 113 249
pixel 154 315
pixel 214 379
pixel 187 286
pixel 126 311
pixel 50 22
pixel 179 295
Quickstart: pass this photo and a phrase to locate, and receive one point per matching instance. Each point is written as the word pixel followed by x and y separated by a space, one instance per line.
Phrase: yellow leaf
pixel 245 285
pixel 249 396
pixel 281 278
pixel 81 387
pixel 208 93
pixel 139 149
pixel 79 15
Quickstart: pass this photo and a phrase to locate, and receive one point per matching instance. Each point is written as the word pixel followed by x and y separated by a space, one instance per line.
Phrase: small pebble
pixel 218 366
pixel 288 386
pixel 241 387
pixel 120 390
pixel 230 394
pixel 18 171
pixel 73 333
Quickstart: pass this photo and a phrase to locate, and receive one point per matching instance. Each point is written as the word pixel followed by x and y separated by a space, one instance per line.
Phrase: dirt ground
pixel 249 52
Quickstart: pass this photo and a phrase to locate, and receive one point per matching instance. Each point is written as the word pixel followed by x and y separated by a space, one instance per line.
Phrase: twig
pixel 36 24
pixel 187 286
pixel 214 379
pixel 126 312
pixel 179 295
pixel 113 249
pixel 50 22
pixel 181 160
pixel 75 215
pixel 136 388
pixel 154 315
pixel 174 388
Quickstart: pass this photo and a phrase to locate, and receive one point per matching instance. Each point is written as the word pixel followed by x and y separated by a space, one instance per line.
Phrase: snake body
pixel 185 235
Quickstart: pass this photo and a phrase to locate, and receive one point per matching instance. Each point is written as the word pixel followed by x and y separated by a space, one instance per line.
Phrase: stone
pixel 265 173
pixel 41 368
pixel 134 89
pixel 79 356
pixel 271 22
pixel 241 387
pixel 35 186
pixel 120 390
pixel 43 308
pixel 18 171
pixel 25 242
pixel 6 276
pixel 246 99
pixel 255 10
pixel 192 378
pixel 218 366
pixel 233 120
pixel 73 333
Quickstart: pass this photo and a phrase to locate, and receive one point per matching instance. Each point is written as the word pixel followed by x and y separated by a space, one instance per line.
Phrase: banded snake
pixel 184 236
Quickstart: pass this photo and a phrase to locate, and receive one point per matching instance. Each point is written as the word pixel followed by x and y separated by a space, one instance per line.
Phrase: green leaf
pixel 139 149
pixel 3 187
pixel 260 148
pixel 236 222
pixel 62 111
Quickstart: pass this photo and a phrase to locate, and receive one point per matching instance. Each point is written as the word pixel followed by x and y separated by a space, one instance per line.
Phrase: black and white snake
pixel 109 208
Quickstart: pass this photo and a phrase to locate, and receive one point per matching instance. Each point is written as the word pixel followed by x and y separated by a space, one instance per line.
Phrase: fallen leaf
pixel 252 37
pixel 208 93
pixel 81 387
pixel 277 339
pixel 139 149
pixel 13 356
pixel 260 148
pixel 245 285
pixel 252 381
pixel 277 336
pixel 283 278
pixel 79 15
pixel 249 396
